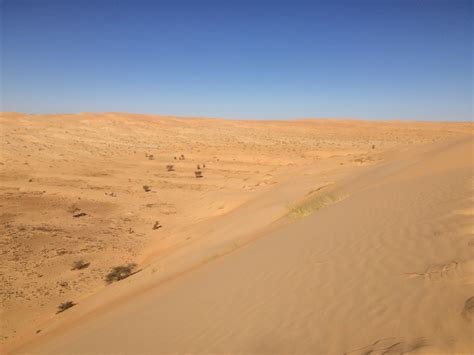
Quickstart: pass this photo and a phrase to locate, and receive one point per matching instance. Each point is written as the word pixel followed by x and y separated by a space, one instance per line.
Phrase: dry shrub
pixel 120 272
pixel 79 265
pixel 64 306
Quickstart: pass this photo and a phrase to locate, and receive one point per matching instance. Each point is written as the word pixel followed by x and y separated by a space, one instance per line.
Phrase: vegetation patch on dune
pixel 313 203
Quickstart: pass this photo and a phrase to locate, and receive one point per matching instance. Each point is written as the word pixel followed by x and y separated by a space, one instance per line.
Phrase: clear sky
pixel 407 59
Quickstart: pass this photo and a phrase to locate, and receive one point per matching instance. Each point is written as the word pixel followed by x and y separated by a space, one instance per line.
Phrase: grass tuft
pixel 313 204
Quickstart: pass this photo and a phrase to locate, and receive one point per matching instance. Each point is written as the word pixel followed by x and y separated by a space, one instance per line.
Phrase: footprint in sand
pixel 468 309
pixel 391 346
pixel 454 271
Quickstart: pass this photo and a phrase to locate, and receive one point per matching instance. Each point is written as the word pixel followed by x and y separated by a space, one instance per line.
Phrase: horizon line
pixel 335 118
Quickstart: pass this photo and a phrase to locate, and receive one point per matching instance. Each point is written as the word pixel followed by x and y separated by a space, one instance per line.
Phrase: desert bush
pixel 198 167
pixel 146 188
pixel 198 174
pixel 157 225
pixel 79 265
pixel 170 167
pixel 64 306
pixel 120 272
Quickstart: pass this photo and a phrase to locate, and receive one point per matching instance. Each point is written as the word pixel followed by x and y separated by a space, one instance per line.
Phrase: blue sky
pixel 377 59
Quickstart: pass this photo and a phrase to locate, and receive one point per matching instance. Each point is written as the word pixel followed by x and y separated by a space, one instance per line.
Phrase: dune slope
pixel 108 189
pixel 387 269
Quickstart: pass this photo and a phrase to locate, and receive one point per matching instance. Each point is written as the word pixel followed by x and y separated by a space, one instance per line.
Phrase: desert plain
pixel 321 236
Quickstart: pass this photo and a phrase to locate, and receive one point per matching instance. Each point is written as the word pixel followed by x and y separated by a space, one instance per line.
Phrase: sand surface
pixel 311 236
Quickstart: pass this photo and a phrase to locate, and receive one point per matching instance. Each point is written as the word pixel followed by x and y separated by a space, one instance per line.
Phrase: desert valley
pixel 124 233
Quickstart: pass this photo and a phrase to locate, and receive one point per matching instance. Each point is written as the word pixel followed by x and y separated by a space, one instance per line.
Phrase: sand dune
pixel 318 236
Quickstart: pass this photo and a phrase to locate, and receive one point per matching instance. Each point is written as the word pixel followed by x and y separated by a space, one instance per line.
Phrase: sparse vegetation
pixel 120 272
pixel 79 265
pixel 64 306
